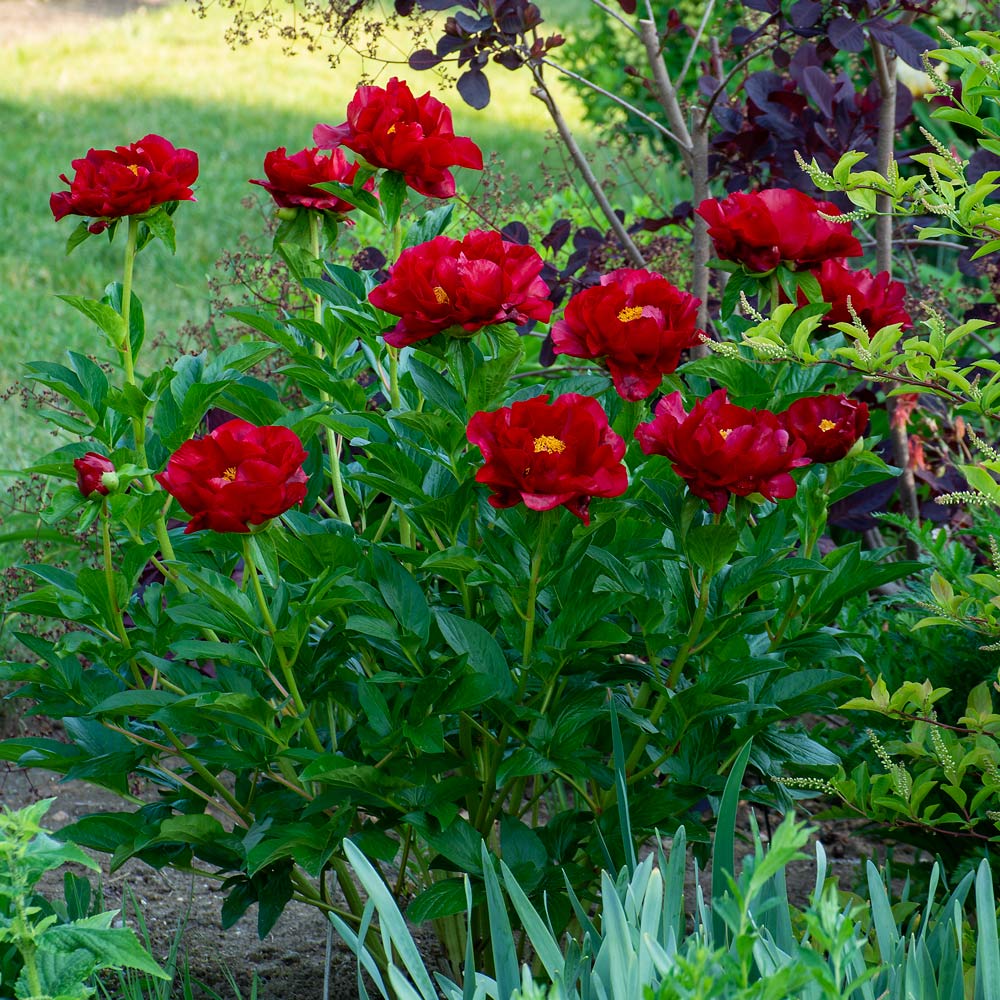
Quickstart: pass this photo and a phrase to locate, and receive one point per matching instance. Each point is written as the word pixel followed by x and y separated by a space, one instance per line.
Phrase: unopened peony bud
pixel 95 474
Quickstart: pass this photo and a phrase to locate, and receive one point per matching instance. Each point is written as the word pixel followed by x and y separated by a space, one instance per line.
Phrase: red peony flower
pixel 461 286
pixel 290 179
pixel 828 426
pixel 764 228
pixel 636 321
pixel 90 472
pixel 236 476
pixel 393 129
pixel 877 299
pixel 723 449
pixel 549 455
pixel 127 180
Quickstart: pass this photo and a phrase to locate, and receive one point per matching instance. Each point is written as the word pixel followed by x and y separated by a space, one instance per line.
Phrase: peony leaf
pixel 710 546
pixel 392 193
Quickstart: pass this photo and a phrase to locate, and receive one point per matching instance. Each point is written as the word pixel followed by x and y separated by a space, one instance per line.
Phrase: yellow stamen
pixel 549 444
pixel 229 473
pixel 725 432
pixel 441 295
pixel 630 313
pixel 134 167
pixel 390 130
pixel 826 425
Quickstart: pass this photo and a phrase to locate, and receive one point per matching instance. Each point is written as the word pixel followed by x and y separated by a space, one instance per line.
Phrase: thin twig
pixel 721 89
pixel 620 101
pixel 613 13
pixel 558 370
pixel 666 94
pixel 709 7
pixel 542 92
pixel 885 65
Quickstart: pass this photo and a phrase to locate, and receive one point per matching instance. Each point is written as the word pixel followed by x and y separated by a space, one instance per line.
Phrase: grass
pixel 166 71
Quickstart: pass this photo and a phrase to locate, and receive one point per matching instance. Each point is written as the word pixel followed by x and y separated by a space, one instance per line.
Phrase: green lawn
pixel 169 72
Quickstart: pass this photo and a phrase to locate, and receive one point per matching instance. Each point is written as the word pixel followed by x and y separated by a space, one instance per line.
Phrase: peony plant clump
pixel 397 609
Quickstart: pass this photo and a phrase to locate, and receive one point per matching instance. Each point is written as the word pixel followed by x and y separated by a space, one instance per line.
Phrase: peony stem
pixel 395 399
pixel 250 567
pixel 545 523
pixel 109 575
pixel 109 580
pixel 128 361
pixel 683 654
pixel 131 242
pixel 775 287
pixel 333 442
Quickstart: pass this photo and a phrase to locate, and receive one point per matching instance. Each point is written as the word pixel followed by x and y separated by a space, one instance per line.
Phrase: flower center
pixel 826 425
pixel 630 313
pixel 134 167
pixel 549 444
pixel 441 295
pixel 391 130
pixel 724 432
pixel 229 474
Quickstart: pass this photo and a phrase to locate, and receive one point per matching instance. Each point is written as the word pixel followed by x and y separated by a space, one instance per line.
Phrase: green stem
pixel 531 609
pixel 683 654
pixel 128 362
pixel 333 442
pixel 395 398
pixel 109 581
pixel 109 575
pixel 27 947
pixel 196 765
pixel 288 673
pixel 131 242
pixel 397 243
pixel 775 286
pixel 401 877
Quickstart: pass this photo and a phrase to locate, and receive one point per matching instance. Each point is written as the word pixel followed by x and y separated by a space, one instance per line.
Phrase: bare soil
pixel 289 963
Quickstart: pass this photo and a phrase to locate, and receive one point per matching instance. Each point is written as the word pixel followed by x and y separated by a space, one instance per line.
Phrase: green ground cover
pixel 166 71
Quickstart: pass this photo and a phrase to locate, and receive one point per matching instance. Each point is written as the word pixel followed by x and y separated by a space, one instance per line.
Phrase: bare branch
pixel 613 13
pixel 621 102
pixel 709 8
pixel 666 94
pixel 721 89
pixel 542 92
pixel 885 65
